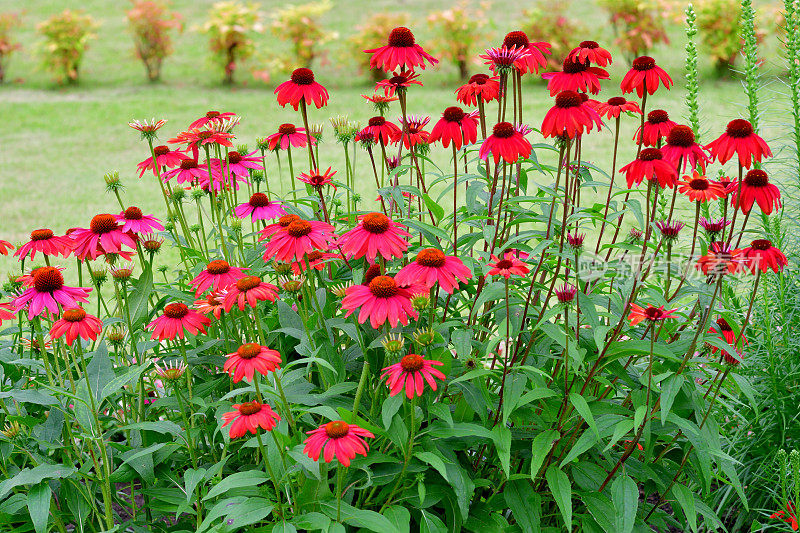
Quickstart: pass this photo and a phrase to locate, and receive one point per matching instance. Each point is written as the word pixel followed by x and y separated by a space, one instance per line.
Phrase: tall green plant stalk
pixel 692 86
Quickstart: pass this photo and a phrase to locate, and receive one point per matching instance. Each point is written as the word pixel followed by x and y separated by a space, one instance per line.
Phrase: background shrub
pixel 67 37
pixel 151 23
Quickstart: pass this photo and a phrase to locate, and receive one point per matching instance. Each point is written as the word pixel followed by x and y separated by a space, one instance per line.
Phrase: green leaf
pixel 191 478
pixel 430 523
pixel 580 404
pixel 120 381
pixel 357 517
pixel 668 392
pixel 685 499
pixel 436 209
pixel 139 296
pixel 100 371
pixel 31 476
pixel 525 504
pixel 38 501
pixel 512 392
pixel 625 495
pixel 539 450
pixel 399 517
pixel 159 426
pixel 389 408
pixel 29 396
pixel 561 489
pixel 284 527
pixel 502 441
pixel 249 478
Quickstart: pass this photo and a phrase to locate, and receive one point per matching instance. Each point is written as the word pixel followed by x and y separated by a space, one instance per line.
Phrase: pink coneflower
pixel 740 139
pixel 479 86
pixel 249 359
pixel 5 247
pixel 721 259
pixel 375 234
pixel 380 300
pixel 455 126
pixel 506 141
pixel 432 266
pixel 409 373
pixel 566 293
pixel 47 291
pixel 575 240
pixel 508 266
pixel 316 260
pixel 569 116
pixel 287 136
pixel 761 255
pixel 103 236
pixel 651 166
pixel 615 106
pixel 292 242
pixel 650 313
pixel 133 220
pixel 713 227
pixel 382 130
pixel 164 158
pixel 591 51
pixel 644 73
pixel 176 320
pixel 7 312
pixel 682 150
pixel 755 188
pixel 189 171
pixel 241 165
pixel 318 180
pixel 701 189
pixel 301 86
pixel 401 51
pixel 670 229
pixel 412 130
pixel 398 83
pixel 76 323
pixel 504 59
pixel 272 229
pixel 260 207
pixel 534 59
pixel 338 439
pixel 217 275
pixel 249 290
pixel 147 129
pixel 43 240
pixel 210 119
pixel 656 127
pixel 575 76
pixel 250 416
pixel 195 139
pixel 212 304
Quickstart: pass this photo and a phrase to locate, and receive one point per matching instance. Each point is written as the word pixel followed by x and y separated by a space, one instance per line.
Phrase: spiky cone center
pixel 212 114
pixel 218 267
pixel 650 154
pixel 653 313
pixel 723 325
pixel 478 79
pixel 152 245
pixel 431 257
pixel 383 287
pixel 74 315
pixel 188 164
pixel 249 351
pixel 699 184
pixel 644 63
pixel 371 273
pixel 761 244
pixel 568 99
pixel 401 37
pixel 41 234
pixel 234 157
pixel 302 76
pixel 377 121
pixel 739 128
pixel 503 130
pixel 314 255
pixel 47 279
pixel 424 337
pixel 299 228
pixel 516 38
pixel 133 213
pixel 249 408
pixel 591 45
pixel 176 310
pixel 287 129
pixel 161 150
pixel 248 282
pixel 103 224
pixel 570 66
pixel 505 264
pixel 657 116
pixel 286 220
pixel 681 136
pixel 412 363
pixel 205 134
pixel 617 101
pixel 756 178
pixel 376 223
pixel 453 114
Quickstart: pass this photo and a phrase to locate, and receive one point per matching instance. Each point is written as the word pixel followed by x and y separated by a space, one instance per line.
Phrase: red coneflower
pixel 133 220
pixel 755 188
pixel 250 416
pixel 301 86
pixel 5 247
pixel 177 319
pixel 650 165
pixel 76 323
pixel 569 116
pixel 316 179
pixel 789 516
pixel 729 336
pixel 721 259
pixel 761 255
pixel 409 373
pixel 260 207
pixel 299 237
pixel 591 51
pixel 164 158
pixel 375 234
pixel 534 59
pixel 566 293
pixel 382 130
pixel 401 51
pixel 212 304
pixel 47 291
pixel 504 59
pixel 189 171
pixel 455 126
pixel 147 129
pixel 701 189
pixel 431 266
pixel 479 85
pixel 575 76
pixel 644 73
pixel 282 223
pixel 103 236
pixel 211 118
pixel 398 83
pixel 6 312
pixel 316 259
pixel 380 300
pixel 412 130
pixel 249 290
pixel 194 139
pixel 650 313
pixel 656 127
pixel 338 439
pixel 507 266
pixel 380 101
pixel 506 141
pixel 740 139
pixel 681 149
pixel 217 275
pixel 43 240
pixel 249 359
pixel 287 135
pixel 615 106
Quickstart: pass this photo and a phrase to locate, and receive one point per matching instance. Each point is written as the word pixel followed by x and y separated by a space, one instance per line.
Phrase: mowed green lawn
pixel 58 142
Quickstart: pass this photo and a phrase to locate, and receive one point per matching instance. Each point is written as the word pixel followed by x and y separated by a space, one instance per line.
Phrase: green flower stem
pixel 407 456
pixel 274 478
pixel 360 390
pixel 291 173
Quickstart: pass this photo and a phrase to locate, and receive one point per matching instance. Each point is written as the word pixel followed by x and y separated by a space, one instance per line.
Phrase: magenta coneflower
pixel 681 149
pixel 260 207
pixel 176 320
pixel 76 323
pixel 409 374
pixel 250 416
pixel 504 59
pixel 506 141
pixel 479 86
pixel 615 106
pixel 195 139
pixel 189 171
pixel 381 300
pixel 507 266
pixel 301 86
pixel 651 166
pixel 739 139
pixel 650 313
pixel 755 188
pixel 288 135
pixel 147 128
pixel 43 240
pixel 382 130
pixel 376 234
pixel 401 51
pixel 431 266
pixel 298 238
pixel 591 51
pixel 241 165
pixel 249 359
pixel 713 227
pixel 7 312
pixel 455 126
pixel 47 291
pixel 645 74
pixel 534 59
pixel 762 255
pixel 165 157
pixel 317 179
pixel 211 304
pixel 398 83
pixel 217 275
pixel 249 290
pixel 670 229
pixel 569 116
pixel 566 293
pixel 103 236
pixel 132 219
pixel 211 118
pixel 338 439
pixel 656 127
pixel 575 76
